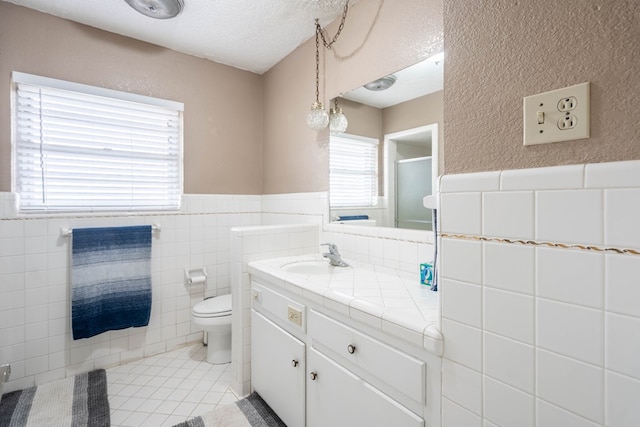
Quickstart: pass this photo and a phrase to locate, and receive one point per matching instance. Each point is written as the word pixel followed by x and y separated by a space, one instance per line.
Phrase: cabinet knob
pixel 313 376
pixel 351 348
pixel 294 363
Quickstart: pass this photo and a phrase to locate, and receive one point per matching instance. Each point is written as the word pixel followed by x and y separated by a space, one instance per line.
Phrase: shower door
pixel 413 182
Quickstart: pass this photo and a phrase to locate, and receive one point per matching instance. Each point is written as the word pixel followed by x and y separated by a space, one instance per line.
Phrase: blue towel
pixel 352 217
pixel 111 279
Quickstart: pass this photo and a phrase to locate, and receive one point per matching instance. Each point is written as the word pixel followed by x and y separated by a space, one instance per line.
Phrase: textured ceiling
pixel 415 81
pixel 251 35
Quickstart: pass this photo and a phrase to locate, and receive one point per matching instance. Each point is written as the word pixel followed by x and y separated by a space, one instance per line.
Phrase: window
pixel 82 148
pixel 353 171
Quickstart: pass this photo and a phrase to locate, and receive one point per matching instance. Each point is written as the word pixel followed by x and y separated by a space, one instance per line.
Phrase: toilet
pixel 213 316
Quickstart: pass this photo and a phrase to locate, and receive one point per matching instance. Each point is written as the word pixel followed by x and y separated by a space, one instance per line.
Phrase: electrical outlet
pixel 567 104
pixel 558 115
pixel 294 315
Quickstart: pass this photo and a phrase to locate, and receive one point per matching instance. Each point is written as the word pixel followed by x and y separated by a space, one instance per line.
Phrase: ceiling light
pixel 337 120
pixel 159 9
pixel 382 83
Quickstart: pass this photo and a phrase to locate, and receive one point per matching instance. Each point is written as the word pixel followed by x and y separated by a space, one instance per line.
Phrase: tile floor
pixel 168 388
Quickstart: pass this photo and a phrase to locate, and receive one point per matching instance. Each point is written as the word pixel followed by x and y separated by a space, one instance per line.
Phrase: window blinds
pixel 353 172
pixel 77 151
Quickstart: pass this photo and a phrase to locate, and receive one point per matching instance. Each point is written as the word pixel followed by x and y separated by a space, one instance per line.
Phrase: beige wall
pixel 499 52
pixel 363 119
pixel 223 105
pixel 379 38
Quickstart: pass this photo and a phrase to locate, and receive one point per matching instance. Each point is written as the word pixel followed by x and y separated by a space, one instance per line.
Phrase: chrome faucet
pixel 334 256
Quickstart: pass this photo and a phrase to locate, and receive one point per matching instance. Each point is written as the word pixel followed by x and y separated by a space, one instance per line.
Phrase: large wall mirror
pixel 386 161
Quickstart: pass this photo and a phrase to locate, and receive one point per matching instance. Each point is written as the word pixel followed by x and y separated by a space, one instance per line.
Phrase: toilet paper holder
pixel 194 276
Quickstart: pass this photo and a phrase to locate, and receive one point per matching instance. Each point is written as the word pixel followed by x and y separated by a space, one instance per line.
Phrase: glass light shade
pixel 318 118
pixel 337 122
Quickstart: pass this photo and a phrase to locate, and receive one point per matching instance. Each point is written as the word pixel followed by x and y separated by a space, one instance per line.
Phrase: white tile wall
pixel 550 415
pixel 571 384
pixel 571 276
pixel 464 344
pixel 622 210
pixel 462 386
pixel 506 406
pixel 34 285
pixel 573 216
pixel 507 313
pixel 570 330
pixel 560 326
pixel 623 344
pixel 402 250
pixel 462 212
pixel 454 415
pixel 509 267
pixel 621 284
pixel 509 361
pixel 507 214
pixel 622 401
pixel 462 302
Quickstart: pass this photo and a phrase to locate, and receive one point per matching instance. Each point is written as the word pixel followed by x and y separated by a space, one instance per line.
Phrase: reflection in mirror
pixel 386 162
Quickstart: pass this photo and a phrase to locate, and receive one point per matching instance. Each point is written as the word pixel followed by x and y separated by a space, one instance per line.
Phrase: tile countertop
pixel 392 301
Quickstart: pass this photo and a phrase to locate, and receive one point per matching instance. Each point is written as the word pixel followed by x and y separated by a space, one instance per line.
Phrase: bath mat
pixel 251 411
pixel 75 401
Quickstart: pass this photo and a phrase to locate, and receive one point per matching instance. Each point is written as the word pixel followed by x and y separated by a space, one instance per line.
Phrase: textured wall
pixel 223 105
pixel 499 52
pixel 379 37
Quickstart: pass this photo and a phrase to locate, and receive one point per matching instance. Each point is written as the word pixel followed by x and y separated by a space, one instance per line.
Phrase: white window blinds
pixel 81 148
pixel 353 171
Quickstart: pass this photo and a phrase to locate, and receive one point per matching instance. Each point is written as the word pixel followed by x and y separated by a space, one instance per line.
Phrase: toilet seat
pixel 213 307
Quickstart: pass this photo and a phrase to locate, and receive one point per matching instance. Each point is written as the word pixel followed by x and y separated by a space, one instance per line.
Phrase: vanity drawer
pixel 290 313
pixel 404 373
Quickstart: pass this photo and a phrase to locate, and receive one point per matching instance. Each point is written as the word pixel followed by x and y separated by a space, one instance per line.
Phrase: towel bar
pixel 67 232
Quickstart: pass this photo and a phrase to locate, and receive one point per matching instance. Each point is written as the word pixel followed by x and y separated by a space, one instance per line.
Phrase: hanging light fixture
pixel 337 120
pixel 159 9
pixel 318 119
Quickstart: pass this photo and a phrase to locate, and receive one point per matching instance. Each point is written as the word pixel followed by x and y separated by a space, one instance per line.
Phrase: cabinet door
pixel 336 397
pixel 277 369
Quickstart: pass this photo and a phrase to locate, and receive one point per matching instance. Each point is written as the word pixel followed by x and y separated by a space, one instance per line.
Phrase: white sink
pixel 314 268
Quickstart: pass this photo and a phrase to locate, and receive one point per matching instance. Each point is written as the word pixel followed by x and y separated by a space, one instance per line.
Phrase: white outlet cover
pixel 547 103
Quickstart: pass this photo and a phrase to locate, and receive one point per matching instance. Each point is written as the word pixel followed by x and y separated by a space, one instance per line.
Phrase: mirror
pixel 403 123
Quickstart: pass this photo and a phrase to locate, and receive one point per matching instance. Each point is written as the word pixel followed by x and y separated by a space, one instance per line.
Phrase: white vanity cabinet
pixel 318 370
pixel 337 397
pixel 277 357
pixel 278 369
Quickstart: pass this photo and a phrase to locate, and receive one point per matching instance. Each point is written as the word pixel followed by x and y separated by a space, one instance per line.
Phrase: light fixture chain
pixel 329 45
pixel 317 64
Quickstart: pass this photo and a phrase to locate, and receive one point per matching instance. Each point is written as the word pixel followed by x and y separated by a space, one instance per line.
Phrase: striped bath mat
pixel 251 411
pixel 111 279
pixel 75 401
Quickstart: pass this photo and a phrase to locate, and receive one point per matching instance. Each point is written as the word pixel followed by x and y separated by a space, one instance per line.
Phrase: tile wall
pixel 34 285
pixel 34 275
pixel 540 297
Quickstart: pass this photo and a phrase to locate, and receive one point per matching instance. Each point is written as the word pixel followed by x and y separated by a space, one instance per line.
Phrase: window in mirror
pixel 353 171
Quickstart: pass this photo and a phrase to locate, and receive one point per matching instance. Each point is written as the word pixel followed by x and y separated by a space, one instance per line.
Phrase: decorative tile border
pixel 535 243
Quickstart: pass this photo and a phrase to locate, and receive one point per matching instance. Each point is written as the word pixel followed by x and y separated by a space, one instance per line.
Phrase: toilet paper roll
pixel 195 276
pixel 194 280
